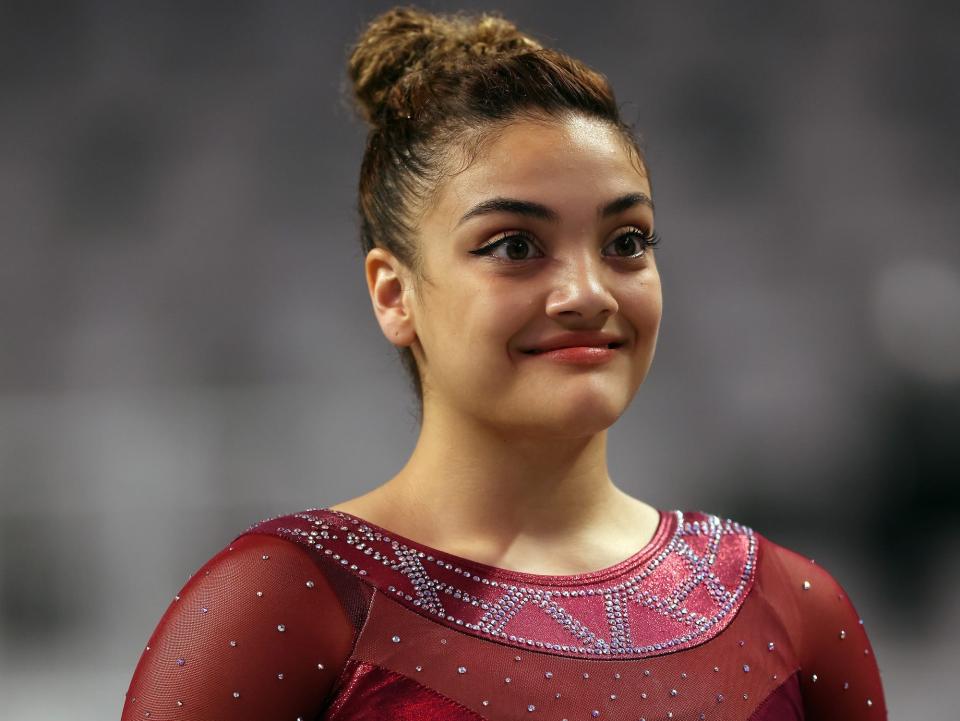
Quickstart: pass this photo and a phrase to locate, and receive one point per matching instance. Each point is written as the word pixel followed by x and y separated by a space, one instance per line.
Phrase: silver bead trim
pixel 413 563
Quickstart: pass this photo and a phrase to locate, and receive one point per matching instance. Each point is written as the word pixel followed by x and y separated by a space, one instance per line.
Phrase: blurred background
pixel 187 345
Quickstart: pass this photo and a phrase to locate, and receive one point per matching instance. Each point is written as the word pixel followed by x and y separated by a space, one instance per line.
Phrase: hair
pixel 435 90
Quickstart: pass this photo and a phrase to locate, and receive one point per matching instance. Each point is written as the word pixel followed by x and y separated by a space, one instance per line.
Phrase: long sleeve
pixel 241 641
pixel 839 674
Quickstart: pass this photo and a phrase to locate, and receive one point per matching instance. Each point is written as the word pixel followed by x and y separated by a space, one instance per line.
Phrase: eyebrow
pixel 542 212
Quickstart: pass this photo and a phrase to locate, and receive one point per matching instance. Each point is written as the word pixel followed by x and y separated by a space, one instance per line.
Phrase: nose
pixel 582 291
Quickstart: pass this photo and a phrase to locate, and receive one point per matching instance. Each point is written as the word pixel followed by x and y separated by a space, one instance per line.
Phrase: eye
pixel 633 238
pixel 515 246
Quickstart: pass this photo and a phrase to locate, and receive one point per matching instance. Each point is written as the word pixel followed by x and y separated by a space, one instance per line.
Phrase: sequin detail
pixel 694 583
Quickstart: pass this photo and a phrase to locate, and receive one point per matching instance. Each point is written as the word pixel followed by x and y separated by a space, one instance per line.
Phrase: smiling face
pixel 543 234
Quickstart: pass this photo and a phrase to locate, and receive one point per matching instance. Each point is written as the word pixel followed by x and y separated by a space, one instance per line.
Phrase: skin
pixel 510 466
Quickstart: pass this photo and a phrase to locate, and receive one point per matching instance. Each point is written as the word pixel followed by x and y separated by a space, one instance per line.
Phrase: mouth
pixel 611 346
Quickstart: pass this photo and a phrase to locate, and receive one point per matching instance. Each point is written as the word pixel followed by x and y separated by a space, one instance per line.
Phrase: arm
pixel 256 633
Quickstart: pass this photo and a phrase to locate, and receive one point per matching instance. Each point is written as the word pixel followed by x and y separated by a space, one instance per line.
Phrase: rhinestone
pixel 507 679
pixel 264 556
pixel 419 668
pixel 462 669
pixel 814 678
pixel 745 697
pixel 843 634
pixel 846 685
pixel 595 713
pixel 204 609
pixel 869 702
pixel 233 643
pixel 616 675
pixel 646 672
pixel 395 639
pixel 179 703
pixel 613 697
pixel 549 674
pixel 716 669
pixel 531 707
pixel 806 585
pixel 181 661
pixel 280 676
pixel 281 628
pixel 770 646
pixel 673 692
pixel 320 666
pixel 310 584
pixel 516 658
pixel 586 675
pixel 259 594
pixel 236 694
pixel 719 698
pixel 746 668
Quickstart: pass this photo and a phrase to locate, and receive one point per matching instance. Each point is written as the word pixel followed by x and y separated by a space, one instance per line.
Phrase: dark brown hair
pixel 435 89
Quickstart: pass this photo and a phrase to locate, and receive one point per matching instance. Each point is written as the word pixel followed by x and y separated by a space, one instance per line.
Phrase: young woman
pixel 508 224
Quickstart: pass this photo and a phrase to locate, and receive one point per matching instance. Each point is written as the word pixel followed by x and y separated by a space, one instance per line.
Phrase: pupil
pixel 513 245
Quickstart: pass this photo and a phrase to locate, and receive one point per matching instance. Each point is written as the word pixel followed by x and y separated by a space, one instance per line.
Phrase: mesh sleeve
pixel 258 632
pixel 839 675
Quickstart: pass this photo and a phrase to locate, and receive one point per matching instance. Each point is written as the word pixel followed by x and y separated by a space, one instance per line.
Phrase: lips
pixel 535 351
pixel 576 339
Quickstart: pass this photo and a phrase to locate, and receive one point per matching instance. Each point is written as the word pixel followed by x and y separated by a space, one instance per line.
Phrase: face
pixel 567 254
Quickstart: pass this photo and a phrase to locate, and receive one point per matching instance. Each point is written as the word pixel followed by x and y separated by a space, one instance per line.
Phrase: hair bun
pixel 402 48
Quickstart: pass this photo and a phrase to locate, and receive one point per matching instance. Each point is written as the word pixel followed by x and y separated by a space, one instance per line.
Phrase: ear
pixel 391 295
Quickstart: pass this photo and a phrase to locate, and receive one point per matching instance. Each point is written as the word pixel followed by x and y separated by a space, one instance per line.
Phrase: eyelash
pixel 646 241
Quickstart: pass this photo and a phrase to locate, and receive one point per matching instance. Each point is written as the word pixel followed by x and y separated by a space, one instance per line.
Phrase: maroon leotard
pixel 323 615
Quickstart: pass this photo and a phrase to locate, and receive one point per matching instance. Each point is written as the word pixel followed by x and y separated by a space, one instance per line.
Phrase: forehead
pixel 571 164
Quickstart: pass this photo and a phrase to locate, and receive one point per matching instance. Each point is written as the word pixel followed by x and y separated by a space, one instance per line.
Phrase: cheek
pixel 473 322
pixel 644 310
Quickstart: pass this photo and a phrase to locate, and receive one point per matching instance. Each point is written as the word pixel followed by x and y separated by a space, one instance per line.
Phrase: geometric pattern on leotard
pixel 680 594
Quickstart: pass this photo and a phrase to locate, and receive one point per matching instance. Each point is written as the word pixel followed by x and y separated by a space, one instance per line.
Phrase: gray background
pixel 187 345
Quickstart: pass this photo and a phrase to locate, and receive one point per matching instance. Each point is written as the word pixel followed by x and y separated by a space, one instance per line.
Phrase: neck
pixel 468 479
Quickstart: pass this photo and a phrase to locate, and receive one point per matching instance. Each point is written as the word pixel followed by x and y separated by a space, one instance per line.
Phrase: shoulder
pixel 259 610
pixel 839 676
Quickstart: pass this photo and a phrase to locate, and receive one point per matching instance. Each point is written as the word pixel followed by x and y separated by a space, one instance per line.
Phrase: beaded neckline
pixel 666 530
pixel 679 590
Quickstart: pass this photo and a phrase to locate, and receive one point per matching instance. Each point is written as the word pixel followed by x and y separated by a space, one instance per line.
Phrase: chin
pixel 569 417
